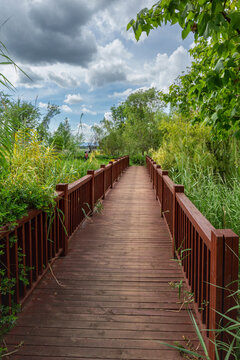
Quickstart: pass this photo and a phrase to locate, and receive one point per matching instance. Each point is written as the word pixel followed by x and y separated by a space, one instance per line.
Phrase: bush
pixel 138 159
pixel 183 144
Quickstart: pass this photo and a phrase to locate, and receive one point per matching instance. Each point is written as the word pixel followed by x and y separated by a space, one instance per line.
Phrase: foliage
pixel 16 115
pixel 138 159
pixel 62 136
pixel 223 350
pixel 19 113
pixel 6 60
pixel 32 173
pixel 27 182
pixel 210 91
pixel 183 143
pixel 134 127
pixel 192 157
pixel 9 314
pixel 63 139
pixel 43 127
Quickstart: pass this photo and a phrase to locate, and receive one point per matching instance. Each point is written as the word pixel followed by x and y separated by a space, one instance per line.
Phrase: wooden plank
pixel 114 300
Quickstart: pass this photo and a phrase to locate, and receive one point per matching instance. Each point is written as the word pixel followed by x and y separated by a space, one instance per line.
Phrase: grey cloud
pixel 102 77
pixel 48 32
pixel 63 80
pixel 31 78
pixel 60 16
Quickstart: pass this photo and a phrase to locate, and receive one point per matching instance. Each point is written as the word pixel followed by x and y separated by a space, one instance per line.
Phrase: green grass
pixel 217 199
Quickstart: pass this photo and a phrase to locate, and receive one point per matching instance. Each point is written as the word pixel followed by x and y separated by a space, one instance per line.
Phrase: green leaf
pixel 234 112
pixel 185 32
pixel 235 20
pixel 207 30
pixel 219 66
pixel 130 24
pixel 214 117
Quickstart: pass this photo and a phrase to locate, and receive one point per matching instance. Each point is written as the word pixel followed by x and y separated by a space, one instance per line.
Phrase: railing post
pixel 104 180
pixel 164 172
pixel 117 169
pixel 91 172
pixel 120 166
pixel 175 245
pixel 153 173
pixel 64 188
pixel 111 162
pixel 158 167
pixel 223 284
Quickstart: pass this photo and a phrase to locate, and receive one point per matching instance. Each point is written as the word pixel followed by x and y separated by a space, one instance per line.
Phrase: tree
pixel 43 128
pixel 21 114
pixel 63 139
pixel 141 127
pixel 213 82
pixel 134 124
pixel 14 115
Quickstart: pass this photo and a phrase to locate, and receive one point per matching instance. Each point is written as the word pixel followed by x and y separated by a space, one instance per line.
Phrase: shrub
pixel 137 159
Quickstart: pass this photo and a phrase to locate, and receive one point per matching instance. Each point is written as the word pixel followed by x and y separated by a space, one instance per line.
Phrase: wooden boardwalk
pixel 114 300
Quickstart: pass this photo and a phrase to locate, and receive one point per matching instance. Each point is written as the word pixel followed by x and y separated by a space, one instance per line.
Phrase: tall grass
pixel 32 172
pixel 209 169
pixel 216 198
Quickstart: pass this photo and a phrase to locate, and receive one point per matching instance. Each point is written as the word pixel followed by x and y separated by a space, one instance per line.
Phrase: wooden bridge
pixel 113 295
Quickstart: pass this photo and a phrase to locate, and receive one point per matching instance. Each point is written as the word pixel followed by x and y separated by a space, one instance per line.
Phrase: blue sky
pixel 80 56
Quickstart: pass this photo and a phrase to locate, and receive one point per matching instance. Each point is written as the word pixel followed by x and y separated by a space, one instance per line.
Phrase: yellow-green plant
pixel 31 160
pixel 184 143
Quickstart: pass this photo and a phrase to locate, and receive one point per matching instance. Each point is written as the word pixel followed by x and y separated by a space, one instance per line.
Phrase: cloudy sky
pixel 80 56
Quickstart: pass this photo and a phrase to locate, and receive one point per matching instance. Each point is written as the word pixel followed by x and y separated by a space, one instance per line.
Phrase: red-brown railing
pixel 209 257
pixel 27 250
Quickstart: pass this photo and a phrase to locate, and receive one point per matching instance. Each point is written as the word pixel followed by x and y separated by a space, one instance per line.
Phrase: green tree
pixel 21 114
pixel 141 125
pixel 43 127
pixel 62 136
pixel 134 125
pixel 210 91
pixel 14 115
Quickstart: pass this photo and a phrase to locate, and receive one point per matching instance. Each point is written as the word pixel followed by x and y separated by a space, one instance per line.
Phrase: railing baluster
pixel 210 262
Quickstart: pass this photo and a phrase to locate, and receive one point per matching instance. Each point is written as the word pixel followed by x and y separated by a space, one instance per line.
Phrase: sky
pixel 80 57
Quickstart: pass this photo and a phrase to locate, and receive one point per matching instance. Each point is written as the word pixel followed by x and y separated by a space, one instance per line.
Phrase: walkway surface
pixel 114 300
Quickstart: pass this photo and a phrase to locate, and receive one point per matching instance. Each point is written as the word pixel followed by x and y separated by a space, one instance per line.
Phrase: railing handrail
pixel 203 226
pixel 32 233
pixel 78 183
pixel 209 263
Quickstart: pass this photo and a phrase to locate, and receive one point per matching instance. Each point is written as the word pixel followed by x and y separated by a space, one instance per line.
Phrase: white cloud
pixel 161 72
pixel 110 65
pixel 66 108
pixel 43 105
pixel 86 130
pixel 122 94
pixel 85 110
pixel 108 115
pixel 116 16
pixel 73 99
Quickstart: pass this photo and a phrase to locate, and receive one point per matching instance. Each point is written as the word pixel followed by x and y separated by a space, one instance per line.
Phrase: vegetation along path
pixel 109 297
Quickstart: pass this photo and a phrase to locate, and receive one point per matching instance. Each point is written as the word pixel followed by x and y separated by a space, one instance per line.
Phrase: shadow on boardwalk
pixel 114 300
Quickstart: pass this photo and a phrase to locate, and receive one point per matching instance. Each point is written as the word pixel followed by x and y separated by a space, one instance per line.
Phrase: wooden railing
pixel 38 239
pixel 209 257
